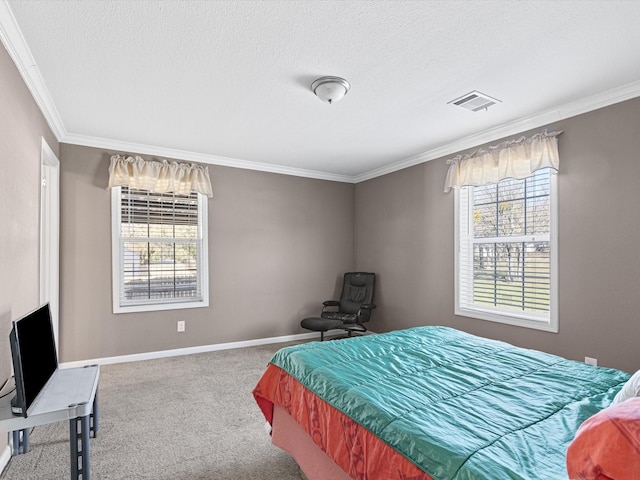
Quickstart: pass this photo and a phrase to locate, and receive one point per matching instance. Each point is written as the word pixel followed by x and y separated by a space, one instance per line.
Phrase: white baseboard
pixel 200 349
pixel 5 456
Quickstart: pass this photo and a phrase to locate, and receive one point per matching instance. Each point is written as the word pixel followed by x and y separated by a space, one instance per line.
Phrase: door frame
pixel 50 234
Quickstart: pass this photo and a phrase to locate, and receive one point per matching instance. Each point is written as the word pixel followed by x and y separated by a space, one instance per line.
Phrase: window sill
pixel 156 307
pixel 545 325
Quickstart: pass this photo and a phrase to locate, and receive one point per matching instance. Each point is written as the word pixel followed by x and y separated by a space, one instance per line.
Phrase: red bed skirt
pixel 361 454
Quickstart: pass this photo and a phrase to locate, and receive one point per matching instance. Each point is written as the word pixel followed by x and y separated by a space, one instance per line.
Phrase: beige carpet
pixel 190 417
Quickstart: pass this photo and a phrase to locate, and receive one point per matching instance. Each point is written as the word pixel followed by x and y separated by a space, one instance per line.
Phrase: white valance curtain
pixel 159 176
pixel 512 159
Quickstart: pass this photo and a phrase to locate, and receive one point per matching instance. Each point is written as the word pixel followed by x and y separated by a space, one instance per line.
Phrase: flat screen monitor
pixel 33 351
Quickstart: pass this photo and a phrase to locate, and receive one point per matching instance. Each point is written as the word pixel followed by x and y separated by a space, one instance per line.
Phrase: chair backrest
pixel 357 290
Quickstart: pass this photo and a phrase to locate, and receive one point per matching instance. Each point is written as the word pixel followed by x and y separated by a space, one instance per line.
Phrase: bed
pixel 429 403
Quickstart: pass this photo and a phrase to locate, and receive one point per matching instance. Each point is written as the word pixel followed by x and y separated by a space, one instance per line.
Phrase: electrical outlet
pixel 591 361
pixel 181 325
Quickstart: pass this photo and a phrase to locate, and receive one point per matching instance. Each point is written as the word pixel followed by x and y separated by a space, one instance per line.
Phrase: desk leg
pixel 79 448
pixel 85 432
pixel 95 423
pixel 25 440
pixel 20 442
pixel 16 442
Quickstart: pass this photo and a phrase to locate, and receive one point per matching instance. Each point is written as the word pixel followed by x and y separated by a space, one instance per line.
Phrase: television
pixel 34 356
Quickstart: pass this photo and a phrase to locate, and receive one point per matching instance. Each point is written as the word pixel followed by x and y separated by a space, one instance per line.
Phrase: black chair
pixel 351 312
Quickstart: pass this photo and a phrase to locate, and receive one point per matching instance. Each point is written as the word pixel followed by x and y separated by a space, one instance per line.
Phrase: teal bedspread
pixel 456 405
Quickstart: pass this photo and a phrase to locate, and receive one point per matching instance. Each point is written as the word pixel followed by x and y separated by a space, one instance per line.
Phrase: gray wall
pixel 405 232
pixel 21 128
pixel 278 246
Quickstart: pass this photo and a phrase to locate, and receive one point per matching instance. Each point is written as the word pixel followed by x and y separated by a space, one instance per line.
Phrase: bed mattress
pixel 434 402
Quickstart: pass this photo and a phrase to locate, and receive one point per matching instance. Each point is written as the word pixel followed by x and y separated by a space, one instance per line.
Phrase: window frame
pixel 117 265
pixel 531 320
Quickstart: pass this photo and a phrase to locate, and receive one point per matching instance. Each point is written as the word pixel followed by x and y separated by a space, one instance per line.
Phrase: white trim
pixel 49 290
pixel 554 299
pixel 456 249
pixel 479 314
pixel 5 456
pixel 601 100
pixel 18 49
pixel 115 248
pixel 128 147
pixel 135 357
pixel 16 45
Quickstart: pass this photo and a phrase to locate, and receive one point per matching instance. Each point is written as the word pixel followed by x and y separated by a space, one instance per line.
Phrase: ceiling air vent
pixel 474 101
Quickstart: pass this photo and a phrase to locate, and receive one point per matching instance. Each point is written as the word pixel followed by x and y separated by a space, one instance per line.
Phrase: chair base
pixel 354 327
pixel 321 325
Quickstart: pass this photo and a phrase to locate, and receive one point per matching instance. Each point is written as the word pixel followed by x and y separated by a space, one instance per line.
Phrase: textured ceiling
pixel 230 79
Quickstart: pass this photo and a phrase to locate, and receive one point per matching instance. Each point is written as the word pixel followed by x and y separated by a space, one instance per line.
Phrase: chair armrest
pixel 364 313
pixel 331 303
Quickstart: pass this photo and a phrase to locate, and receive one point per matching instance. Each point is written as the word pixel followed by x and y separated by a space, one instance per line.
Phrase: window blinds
pixel 505 257
pixel 160 248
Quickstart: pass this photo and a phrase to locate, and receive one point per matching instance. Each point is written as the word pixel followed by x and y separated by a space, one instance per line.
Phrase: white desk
pixel 70 394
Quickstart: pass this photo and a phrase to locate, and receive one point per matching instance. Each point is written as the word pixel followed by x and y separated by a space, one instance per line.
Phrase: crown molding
pixel 14 42
pixel 572 109
pixel 464 143
pixel 142 149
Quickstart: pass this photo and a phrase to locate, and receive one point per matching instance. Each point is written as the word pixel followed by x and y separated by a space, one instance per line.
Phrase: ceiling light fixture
pixel 330 89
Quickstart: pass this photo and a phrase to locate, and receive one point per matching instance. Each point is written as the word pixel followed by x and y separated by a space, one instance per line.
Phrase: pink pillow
pixel 607 445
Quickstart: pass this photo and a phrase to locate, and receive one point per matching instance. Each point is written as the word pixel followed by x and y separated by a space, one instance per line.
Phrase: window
pixel 506 238
pixel 159 250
